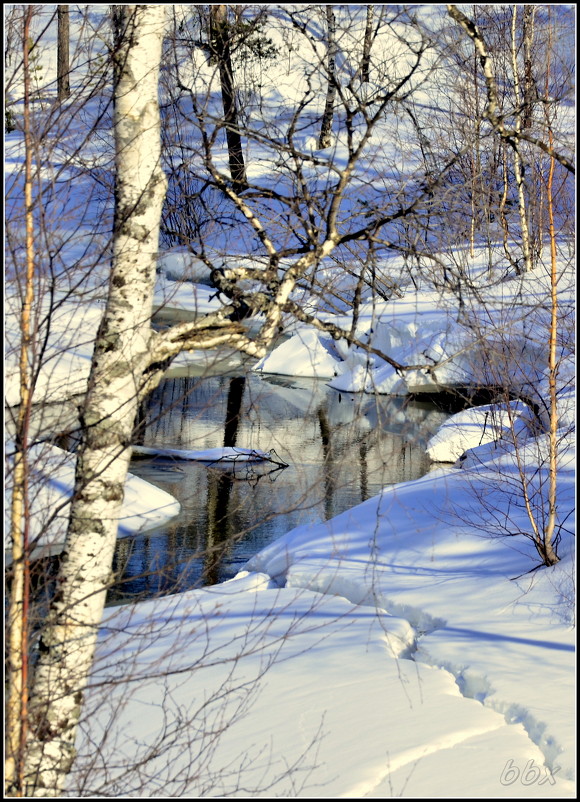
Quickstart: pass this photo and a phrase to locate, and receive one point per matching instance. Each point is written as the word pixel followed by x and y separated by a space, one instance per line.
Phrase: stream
pixel 341 450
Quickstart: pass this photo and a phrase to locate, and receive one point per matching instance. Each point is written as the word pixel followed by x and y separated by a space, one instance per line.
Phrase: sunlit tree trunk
pixel 366 57
pixel 325 139
pixel 120 360
pixel 550 556
pixel 476 177
pixel 17 665
pixel 529 13
pixel 518 165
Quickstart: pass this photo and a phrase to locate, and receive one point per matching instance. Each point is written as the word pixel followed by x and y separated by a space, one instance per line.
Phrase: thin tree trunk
pixel 17 666
pixel 476 177
pixel 366 57
pixel 119 363
pixel 63 64
pixel 518 165
pixel 529 13
pixel 220 43
pixel 502 215
pixel 325 139
pixel 550 554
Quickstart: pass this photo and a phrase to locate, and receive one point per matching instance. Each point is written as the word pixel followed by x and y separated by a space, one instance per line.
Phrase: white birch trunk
pixel 120 360
pixel 518 166
pixel 325 138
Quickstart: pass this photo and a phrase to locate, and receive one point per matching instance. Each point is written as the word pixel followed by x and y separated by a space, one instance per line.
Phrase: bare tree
pixel 67 646
pixel 282 227
pixel 536 494
pixel 17 707
pixel 491 113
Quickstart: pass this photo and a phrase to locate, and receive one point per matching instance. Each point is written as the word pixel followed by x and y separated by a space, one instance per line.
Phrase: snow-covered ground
pixel 404 648
pixel 407 647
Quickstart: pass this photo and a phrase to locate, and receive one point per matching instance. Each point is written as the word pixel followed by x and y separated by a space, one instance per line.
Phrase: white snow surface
pixel 306 353
pixel 51 487
pixel 403 648
pixel 446 337
pixel 474 427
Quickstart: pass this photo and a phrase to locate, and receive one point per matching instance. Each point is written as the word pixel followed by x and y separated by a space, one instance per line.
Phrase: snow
pixel 429 561
pixel 380 663
pixel 306 353
pixel 475 427
pixel 70 337
pixel 51 487
pixel 451 334
pixel 407 647
pixel 338 700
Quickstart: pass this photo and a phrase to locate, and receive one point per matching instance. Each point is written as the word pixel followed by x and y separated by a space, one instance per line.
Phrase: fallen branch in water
pixel 211 456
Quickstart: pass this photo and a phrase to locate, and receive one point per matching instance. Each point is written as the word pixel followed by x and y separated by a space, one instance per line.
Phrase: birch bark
pixel 120 362
pixel 325 138
pixel 518 164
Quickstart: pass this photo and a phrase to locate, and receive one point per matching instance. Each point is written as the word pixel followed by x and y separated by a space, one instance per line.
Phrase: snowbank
pixel 475 427
pixel 68 330
pixel 438 552
pixel 472 338
pixel 51 486
pixel 306 353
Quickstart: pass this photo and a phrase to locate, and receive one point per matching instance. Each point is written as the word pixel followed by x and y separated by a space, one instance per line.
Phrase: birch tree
pixel 491 113
pixel 322 207
pixel 365 66
pixel 518 164
pixel 325 138
pixel 117 378
pixel 17 702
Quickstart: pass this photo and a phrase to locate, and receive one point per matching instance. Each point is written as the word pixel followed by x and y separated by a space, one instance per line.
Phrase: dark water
pixel 341 450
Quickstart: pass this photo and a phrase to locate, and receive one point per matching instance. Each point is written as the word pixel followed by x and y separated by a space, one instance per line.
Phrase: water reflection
pixel 341 450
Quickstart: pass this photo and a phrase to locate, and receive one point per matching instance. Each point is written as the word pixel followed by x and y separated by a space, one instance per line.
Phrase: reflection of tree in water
pixel 342 450
pixel 233 410
pixel 364 483
pixel 220 527
pixel 328 464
